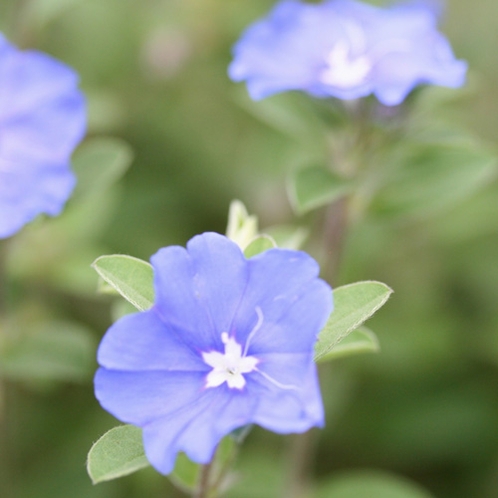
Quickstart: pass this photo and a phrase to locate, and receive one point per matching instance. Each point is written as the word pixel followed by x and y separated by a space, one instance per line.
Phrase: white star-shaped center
pixel 344 70
pixel 229 366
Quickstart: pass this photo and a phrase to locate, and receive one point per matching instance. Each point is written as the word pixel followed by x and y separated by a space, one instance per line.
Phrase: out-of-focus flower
pixel 345 49
pixel 228 342
pixel 42 119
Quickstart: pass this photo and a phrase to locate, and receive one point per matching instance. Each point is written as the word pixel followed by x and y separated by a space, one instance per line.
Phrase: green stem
pixel 335 224
pixel 334 228
pixel 19 31
pixel 223 471
pixel 203 488
pixel 302 451
pixel 6 480
pixel 301 455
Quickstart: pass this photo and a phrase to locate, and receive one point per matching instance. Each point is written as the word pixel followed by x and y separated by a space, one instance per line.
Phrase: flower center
pixel 345 70
pixel 229 366
pixel 347 64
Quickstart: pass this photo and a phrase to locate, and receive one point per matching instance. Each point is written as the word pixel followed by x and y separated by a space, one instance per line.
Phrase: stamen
pixel 289 387
pixel 254 330
pixel 231 365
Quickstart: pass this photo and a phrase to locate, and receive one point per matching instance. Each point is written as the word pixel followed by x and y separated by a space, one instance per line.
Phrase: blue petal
pixel 47 134
pixel 178 414
pixel 288 369
pixel 42 118
pixel 142 341
pixel 283 52
pixel 284 410
pixel 141 397
pixel 153 375
pixel 294 303
pixel 34 79
pixel 216 414
pixel 25 193
pixel 199 289
pixel 288 50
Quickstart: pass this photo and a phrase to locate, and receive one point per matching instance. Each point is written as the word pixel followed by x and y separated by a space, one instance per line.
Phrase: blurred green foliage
pixel 154 72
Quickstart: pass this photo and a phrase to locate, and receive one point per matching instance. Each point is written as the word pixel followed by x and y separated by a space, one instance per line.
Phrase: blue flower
pixel 345 49
pixel 228 342
pixel 42 119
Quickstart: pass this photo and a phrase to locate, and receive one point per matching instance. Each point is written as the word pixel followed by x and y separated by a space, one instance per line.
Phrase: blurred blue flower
pixel 228 342
pixel 345 49
pixel 42 119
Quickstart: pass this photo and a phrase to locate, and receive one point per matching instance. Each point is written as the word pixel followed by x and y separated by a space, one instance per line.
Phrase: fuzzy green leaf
pixel 288 236
pixel 185 474
pixel 428 178
pixel 117 453
pixel 258 245
pixel 361 340
pixel 353 305
pixel 131 277
pixel 313 187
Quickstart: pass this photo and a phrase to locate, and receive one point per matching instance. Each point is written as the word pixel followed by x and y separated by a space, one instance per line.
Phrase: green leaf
pixel 120 308
pixel 258 245
pixel 370 484
pixel 428 178
pixel 361 340
pixel 315 186
pixel 242 228
pixel 105 288
pixel 353 304
pixel 131 277
pixel 185 474
pixel 288 236
pixel 98 164
pixel 117 453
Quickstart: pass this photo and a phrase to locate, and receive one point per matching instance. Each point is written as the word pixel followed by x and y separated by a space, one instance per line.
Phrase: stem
pixel 222 472
pixel 301 459
pixel 19 31
pixel 335 226
pixel 303 445
pixel 334 232
pixel 203 488
pixel 6 477
pixel 6 480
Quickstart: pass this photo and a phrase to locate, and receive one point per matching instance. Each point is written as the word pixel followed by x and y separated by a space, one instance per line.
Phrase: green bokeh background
pixel 154 72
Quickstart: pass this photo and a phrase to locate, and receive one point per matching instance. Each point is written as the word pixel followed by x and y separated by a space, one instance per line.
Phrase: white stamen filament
pixel 230 366
pixel 255 329
pixel 275 382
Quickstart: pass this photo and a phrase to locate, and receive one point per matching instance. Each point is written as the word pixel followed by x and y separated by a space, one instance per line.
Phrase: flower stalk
pixel 204 487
